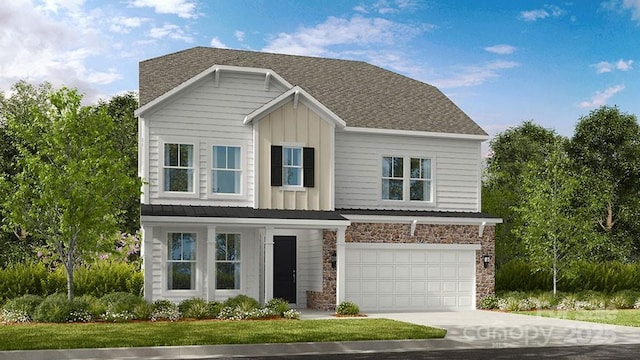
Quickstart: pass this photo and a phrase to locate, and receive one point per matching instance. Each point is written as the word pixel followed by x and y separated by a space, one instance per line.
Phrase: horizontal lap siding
pixel 358 161
pixel 206 114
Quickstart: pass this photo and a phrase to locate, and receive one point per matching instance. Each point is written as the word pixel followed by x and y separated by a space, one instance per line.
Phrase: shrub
pixel 165 310
pixel 195 308
pixel 347 308
pixel 119 306
pixel 54 308
pixel 291 314
pixel 509 304
pixel 21 309
pixel 277 306
pixel 142 311
pixel 636 305
pixel 624 299
pixel 244 302
pixel 489 302
pixel 214 308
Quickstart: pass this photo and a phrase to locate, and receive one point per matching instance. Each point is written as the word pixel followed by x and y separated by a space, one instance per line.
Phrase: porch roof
pixel 237 212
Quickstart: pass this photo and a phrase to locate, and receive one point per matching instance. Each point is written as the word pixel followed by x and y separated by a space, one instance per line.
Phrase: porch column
pixel 210 278
pixel 268 264
pixel 147 261
pixel 340 265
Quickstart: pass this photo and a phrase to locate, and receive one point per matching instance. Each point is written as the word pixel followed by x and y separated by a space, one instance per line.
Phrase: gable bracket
pixel 296 95
pixel 413 227
pixel 267 80
pixel 481 228
pixel 216 77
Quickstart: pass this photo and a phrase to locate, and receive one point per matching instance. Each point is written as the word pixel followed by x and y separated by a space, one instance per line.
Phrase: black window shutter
pixel 308 165
pixel 276 165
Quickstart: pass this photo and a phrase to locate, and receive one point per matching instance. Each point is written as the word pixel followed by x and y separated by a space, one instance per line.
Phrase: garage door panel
pixel 418 287
pixel 389 278
pixel 403 272
pixel 403 286
pixel 418 257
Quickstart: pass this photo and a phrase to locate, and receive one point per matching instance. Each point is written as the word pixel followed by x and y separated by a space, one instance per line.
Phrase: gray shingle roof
pixel 363 95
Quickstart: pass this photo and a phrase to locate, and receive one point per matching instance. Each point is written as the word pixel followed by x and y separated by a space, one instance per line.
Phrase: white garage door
pixel 415 277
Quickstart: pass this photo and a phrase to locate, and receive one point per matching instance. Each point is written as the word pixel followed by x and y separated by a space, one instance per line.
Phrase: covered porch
pixel 262 253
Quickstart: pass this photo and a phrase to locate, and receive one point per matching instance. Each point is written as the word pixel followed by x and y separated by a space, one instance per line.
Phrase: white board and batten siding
pixel 206 114
pixel 456 170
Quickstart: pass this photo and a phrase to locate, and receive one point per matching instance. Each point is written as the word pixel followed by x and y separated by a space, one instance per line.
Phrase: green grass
pixel 100 335
pixel 613 317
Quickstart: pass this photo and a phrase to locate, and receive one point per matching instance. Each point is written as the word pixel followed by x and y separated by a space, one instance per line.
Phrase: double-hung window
pixel 181 261
pixel 178 167
pixel 292 166
pixel 392 178
pixel 406 178
pixel 228 264
pixel 226 170
pixel 420 180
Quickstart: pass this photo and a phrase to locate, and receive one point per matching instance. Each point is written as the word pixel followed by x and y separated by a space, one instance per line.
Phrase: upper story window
pixel 406 178
pixel 292 166
pixel 178 167
pixel 420 180
pixel 181 261
pixel 226 170
pixel 392 178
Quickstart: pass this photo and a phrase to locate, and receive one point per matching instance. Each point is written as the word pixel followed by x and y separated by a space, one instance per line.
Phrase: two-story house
pixel 310 179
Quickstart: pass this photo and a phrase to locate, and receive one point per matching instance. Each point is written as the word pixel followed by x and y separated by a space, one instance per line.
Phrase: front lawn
pixel 613 317
pixel 143 334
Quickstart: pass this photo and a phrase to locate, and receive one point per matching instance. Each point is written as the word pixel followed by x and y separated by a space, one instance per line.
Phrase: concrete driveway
pixel 490 329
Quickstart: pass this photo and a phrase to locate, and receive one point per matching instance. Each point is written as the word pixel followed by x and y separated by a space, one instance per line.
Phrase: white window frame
pixel 243 171
pixel 214 281
pixel 285 186
pixel 406 181
pixel 196 167
pixel 200 256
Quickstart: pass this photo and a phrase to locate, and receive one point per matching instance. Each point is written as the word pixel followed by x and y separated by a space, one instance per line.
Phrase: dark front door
pixel 284 268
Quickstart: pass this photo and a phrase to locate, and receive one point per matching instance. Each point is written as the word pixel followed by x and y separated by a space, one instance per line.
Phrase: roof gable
pixel 297 94
pixel 361 94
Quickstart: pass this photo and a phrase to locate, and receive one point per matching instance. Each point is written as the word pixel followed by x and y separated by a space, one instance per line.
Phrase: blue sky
pixel 502 62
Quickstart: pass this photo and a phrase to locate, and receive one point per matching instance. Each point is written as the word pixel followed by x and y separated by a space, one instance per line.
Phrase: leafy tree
pixel 69 178
pixel 17 245
pixel 606 149
pixel 512 151
pixel 125 139
pixel 550 228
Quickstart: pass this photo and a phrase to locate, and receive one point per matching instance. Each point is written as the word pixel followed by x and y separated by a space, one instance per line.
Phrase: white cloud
pixel 606 67
pixel 624 5
pixel 601 97
pixel 501 49
pixel 360 9
pixel 54 41
pixel 123 25
pixel 474 75
pixel 185 9
pixel 360 31
pixel 215 42
pixel 169 31
pixel 538 14
pixel 239 35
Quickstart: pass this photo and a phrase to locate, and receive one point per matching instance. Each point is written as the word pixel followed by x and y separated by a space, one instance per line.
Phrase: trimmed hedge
pixel 97 279
pixel 605 277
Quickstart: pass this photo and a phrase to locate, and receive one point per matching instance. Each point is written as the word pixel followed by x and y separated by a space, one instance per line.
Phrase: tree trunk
pixel 69 267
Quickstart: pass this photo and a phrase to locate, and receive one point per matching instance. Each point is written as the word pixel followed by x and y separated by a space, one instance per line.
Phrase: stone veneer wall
pixel 435 234
pixel 325 299
pixel 401 233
